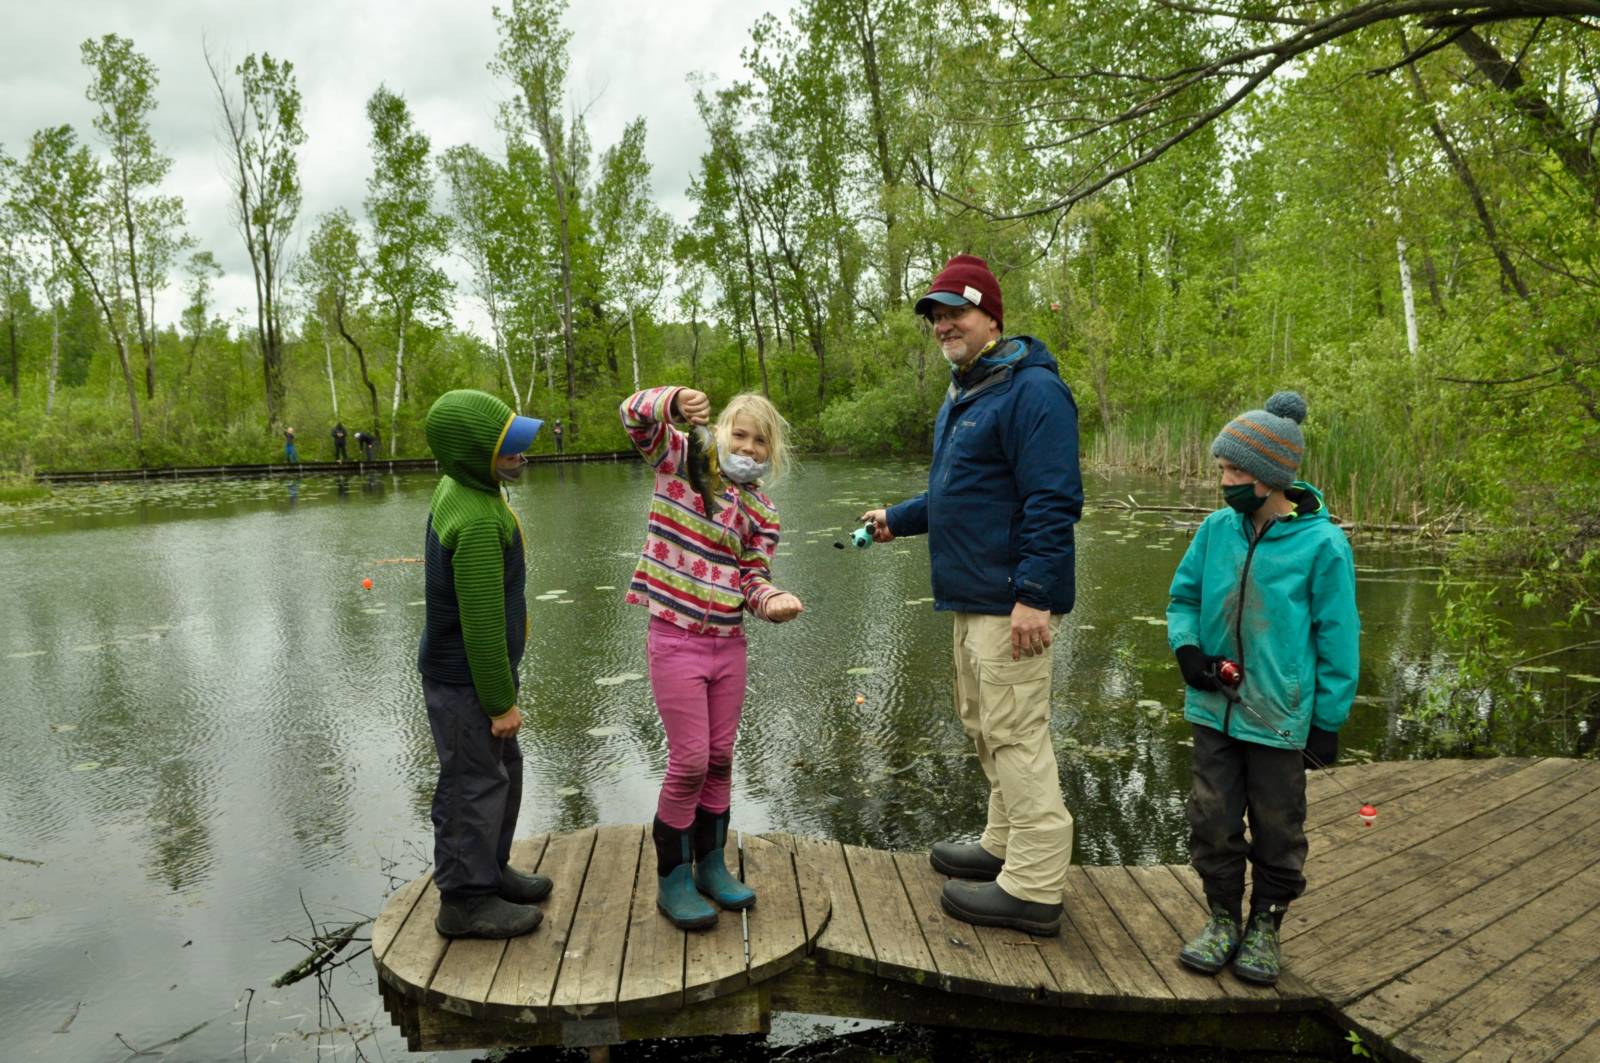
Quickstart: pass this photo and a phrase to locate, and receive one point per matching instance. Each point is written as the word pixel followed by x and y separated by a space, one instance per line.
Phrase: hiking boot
pixel 1259 960
pixel 676 894
pixel 1210 950
pixel 485 916
pixel 711 874
pixel 523 887
pixel 969 860
pixel 986 904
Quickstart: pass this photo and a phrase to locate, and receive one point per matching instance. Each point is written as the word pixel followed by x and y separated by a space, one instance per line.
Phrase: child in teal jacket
pixel 1269 584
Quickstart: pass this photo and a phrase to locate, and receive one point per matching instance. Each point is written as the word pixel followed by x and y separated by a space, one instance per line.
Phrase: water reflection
pixel 207 715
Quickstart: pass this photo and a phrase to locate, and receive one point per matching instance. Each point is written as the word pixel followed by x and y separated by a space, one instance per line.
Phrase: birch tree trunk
pixel 399 371
pixel 633 343
pixel 1407 295
pixel 55 356
pixel 333 391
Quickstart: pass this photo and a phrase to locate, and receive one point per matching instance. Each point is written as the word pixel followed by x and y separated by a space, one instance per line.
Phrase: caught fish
pixel 705 474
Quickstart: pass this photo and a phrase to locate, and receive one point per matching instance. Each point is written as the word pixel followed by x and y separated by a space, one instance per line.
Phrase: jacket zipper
pixel 1238 619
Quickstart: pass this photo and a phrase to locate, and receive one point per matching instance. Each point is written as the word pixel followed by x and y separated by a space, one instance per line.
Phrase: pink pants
pixel 698 681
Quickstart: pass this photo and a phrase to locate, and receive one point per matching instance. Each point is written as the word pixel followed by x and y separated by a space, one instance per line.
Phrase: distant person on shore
pixel 1267 587
pixel 290 454
pixel 560 435
pixel 1004 492
pixel 706 563
pixel 368 445
pixel 339 442
pixel 476 626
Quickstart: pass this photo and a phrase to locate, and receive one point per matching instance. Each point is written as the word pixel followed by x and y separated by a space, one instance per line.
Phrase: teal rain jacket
pixel 1284 608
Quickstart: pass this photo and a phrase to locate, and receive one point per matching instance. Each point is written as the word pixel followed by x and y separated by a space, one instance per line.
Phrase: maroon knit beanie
pixel 964 279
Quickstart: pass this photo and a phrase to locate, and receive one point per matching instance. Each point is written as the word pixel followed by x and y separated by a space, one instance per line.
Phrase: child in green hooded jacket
pixel 476 627
pixel 1268 585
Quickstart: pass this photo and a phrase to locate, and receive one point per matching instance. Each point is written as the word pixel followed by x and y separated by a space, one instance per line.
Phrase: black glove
pixel 1199 670
pixel 1322 749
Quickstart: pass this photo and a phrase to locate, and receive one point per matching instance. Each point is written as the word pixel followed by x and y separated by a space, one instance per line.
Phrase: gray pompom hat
pixel 1266 443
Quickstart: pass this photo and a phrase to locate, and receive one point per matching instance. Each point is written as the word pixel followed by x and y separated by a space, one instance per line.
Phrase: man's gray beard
pixel 957 360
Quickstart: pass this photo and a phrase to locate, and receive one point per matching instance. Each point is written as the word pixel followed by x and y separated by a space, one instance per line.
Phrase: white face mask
pixel 740 469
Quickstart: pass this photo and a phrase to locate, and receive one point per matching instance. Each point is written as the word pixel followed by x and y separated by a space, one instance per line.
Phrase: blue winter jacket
pixel 1283 607
pixel 1003 490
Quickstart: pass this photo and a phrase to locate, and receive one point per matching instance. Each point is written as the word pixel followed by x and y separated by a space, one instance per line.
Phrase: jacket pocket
pixel 1014 698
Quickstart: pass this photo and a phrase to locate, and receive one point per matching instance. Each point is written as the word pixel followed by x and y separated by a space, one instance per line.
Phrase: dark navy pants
pixel 1234 779
pixel 479 792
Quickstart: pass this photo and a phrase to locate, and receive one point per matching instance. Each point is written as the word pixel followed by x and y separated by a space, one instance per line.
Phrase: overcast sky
pixel 627 59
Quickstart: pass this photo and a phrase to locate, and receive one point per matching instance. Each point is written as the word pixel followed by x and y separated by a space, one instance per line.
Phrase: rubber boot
pixel 1259 959
pixel 711 874
pixel 1210 950
pixel 523 887
pixel 486 916
pixel 676 895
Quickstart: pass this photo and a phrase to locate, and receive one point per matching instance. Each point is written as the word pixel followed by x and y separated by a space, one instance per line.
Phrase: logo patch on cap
pixel 972 295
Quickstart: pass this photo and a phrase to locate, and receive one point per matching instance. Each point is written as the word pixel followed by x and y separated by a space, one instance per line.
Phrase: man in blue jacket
pixel 1003 495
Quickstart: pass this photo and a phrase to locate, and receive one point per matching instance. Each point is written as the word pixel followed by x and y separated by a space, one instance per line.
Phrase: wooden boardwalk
pixel 1465 924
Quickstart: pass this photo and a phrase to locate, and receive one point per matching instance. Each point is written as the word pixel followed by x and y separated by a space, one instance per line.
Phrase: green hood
pixel 464 430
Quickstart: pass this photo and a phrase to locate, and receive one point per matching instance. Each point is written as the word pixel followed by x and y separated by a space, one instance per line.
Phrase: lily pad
pixel 546 597
pixel 617 680
pixel 374 610
pixel 604 587
pixel 1085 627
pixel 26 653
pixel 864 670
pixel 605 732
pixel 1148 703
pixel 563 590
pixel 88 765
pixel 419 601
pixel 568 791
pixel 63 728
pixel 565 601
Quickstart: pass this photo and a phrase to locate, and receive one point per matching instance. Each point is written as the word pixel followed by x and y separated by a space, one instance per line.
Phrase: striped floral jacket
pixel 696 572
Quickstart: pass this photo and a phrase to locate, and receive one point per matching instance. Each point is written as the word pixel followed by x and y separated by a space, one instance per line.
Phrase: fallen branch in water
pixel 324 948
pixel 155 1050
pixel 21 860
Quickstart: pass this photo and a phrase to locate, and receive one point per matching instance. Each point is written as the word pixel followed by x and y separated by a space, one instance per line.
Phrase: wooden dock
pixel 1464 924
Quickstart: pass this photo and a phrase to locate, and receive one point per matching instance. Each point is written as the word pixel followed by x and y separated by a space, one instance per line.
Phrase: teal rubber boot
pixel 711 874
pixel 676 895
pixel 1260 960
pixel 1210 950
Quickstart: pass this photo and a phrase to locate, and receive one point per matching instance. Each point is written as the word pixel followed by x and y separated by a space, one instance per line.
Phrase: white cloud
pixel 624 63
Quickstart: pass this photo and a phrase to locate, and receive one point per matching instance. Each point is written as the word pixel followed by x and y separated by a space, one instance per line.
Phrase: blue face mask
pixel 1243 498
pixel 740 469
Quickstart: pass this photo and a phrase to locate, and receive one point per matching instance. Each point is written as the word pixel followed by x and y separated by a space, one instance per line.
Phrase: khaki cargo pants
pixel 1004 706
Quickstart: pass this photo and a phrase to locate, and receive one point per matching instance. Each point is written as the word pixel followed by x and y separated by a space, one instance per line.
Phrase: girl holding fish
pixel 709 541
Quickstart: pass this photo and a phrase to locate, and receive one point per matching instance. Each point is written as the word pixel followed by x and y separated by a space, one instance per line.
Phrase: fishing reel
pixel 861 538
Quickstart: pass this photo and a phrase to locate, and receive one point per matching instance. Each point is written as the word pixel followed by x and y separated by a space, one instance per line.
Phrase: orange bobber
pixel 366 584
pixel 861 699
pixel 1368 813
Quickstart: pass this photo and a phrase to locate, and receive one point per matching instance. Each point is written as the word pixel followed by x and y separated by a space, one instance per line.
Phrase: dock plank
pixel 825 884
pixel 1426 915
pixel 468 966
pixel 394 914
pixel 591 963
pixel 777 932
pixel 1116 952
pixel 1586 1050
pixel 1151 933
pixel 714 959
pixel 1328 796
pixel 887 913
pixel 652 962
pixel 1184 917
pixel 1509 992
pixel 532 963
pixel 417 948
pixel 1464 954
pixel 962 964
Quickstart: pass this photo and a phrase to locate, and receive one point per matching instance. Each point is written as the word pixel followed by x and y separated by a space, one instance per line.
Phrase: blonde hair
pixel 769 422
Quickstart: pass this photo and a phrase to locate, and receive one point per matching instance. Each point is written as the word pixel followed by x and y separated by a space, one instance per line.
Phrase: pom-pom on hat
pixel 1266 443
pixel 965 279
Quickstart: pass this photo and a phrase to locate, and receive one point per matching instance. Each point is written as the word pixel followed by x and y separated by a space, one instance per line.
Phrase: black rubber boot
pixel 486 916
pixel 523 887
pixel 986 904
pixel 969 860
pixel 676 894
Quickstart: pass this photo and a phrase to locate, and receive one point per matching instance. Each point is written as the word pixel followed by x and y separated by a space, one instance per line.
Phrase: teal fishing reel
pixel 861 538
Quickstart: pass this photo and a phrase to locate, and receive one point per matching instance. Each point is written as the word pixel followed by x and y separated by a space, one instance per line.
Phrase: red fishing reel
pixel 1229 674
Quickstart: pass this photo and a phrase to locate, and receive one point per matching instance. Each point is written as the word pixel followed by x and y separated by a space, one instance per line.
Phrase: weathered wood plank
pixel 469 965
pixel 1080 980
pixel 824 873
pixel 1291 989
pixel 1428 914
pixel 714 959
pixel 1181 917
pixel 1509 992
pixel 1328 802
pixel 1551 1029
pixel 1588 1049
pixel 777 933
pixel 417 947
pixel 1118 955
pixel 591 963
pixel 1424 839
pixel 652 962
pixel 394 914
pixel 532 963
pixel 890 921
pixel 1152 935
pixel 1466 949
pixel 961 963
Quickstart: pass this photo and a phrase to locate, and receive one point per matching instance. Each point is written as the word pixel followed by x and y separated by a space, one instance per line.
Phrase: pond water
pixel 208 719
